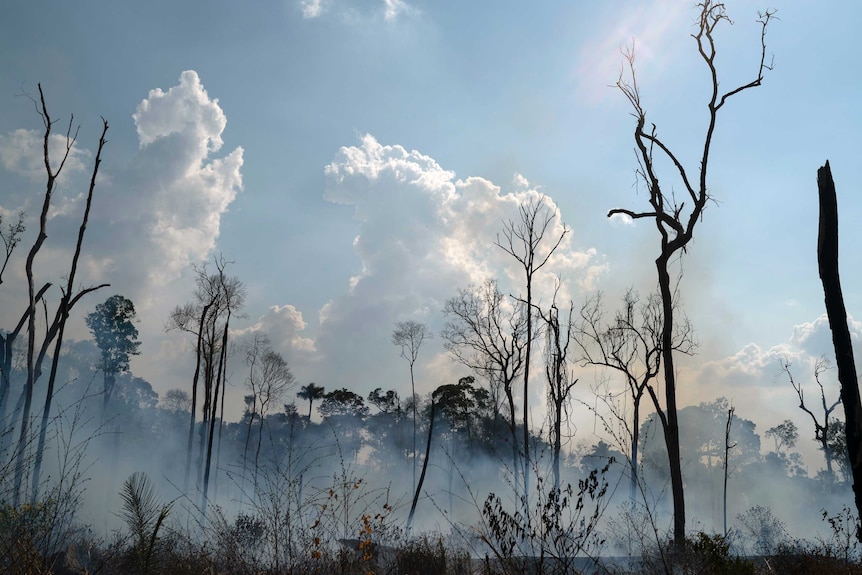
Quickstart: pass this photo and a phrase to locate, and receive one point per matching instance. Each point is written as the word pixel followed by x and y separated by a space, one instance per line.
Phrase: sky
pixel 355 161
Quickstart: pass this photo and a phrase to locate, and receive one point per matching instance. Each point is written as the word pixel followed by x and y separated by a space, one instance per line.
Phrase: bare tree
pixel 827 263
pixel 11 237
pixel 269 378
pixel 54 329
pixel 489 337
pixel 630 345
pixel 727 447
pixel 232 292
pixel 409 336
pixel 561 381
pixel 524 240
pixel 676 218
pixel 821 427
pixel 217 298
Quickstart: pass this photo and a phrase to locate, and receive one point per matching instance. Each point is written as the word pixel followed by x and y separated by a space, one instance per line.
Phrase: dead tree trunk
pixel 424 469
pixel 827 261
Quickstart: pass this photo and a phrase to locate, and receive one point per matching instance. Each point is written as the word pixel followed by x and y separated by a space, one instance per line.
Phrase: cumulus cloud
pixel 815 338
pixel 423 234
pixel 21 152
pixel 755 366
pixel 284 324
pixel 179 130
pixel 150 218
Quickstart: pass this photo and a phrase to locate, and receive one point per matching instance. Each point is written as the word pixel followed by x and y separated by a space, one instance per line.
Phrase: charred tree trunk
pixel 196 377
pixel 424 469
pixel 671 427
pixel 211 434
pixel 827 260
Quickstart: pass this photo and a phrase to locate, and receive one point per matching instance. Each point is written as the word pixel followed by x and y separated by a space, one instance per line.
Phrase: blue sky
pixel 243 107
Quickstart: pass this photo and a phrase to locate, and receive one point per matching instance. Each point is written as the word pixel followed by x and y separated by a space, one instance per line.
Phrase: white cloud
pixel 619 219
pixel 183 109
pixel 311 8
pixel 393 8
pixel 150 219
pixel 757 366
pixel 283 324
pixel 187 195
pixel 815 337
pixel 21 152
pixel 423 234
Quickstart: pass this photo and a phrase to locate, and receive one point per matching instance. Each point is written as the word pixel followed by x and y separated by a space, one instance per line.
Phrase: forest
pixel 489 471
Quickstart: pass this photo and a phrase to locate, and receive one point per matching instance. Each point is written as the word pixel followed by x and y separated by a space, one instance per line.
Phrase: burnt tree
pixel 827 261
pixel 676 218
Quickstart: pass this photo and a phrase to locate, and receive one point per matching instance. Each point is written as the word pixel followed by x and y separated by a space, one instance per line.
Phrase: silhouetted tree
pixel 311 392
pixel 822 431
pixel 409 336
pixel 345 411
pixel 630 345
pixel 827 263
pixel 785 435
pixel 524 240
pixel 558 337
pixel 489 337
pixel 113 327
pixel 269 378
pixel 69 298
pixel 676 219
pixel 217 298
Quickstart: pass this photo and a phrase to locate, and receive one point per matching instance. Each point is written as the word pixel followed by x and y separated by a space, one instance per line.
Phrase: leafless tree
pixel 676 218
pixel 525 241
pixel 489 337
pixel 218 297
pixel 269 378
pixel 35 356
pixel 727 447
pixel 821 427
pixel 630 345
pixel 827 264
pixel 409 336
pixel 11 237
pixel 561 381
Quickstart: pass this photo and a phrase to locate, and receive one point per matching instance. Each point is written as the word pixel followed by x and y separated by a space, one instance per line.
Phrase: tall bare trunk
pixel 827 259
pixel 198 352
pixel 671 428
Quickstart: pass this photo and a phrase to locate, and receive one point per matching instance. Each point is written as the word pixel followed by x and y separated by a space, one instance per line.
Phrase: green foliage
pixel 343 403
pixel 144 515
pixel 113 328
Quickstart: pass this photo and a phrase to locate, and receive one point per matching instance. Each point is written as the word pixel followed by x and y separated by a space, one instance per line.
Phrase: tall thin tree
pixel 68 300
pixel 673 218
pixel 409 336
pixel 524 240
